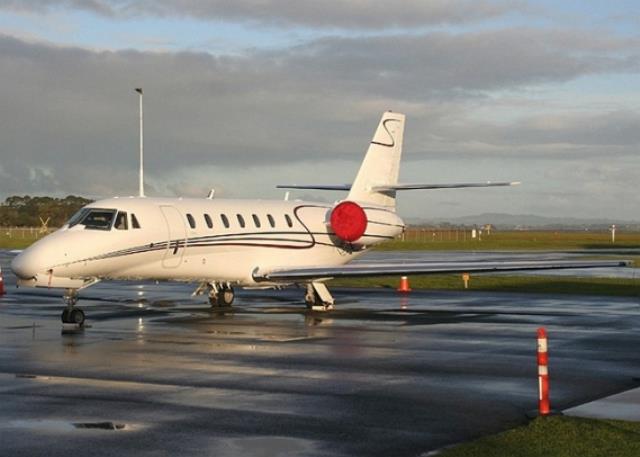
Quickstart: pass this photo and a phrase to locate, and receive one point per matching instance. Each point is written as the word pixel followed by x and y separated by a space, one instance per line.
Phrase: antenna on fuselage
pixel 141 190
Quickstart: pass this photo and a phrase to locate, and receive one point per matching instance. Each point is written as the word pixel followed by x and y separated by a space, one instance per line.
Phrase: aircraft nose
pixel 24 265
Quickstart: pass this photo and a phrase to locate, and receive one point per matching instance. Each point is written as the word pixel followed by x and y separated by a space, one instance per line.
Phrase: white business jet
pixel 222 243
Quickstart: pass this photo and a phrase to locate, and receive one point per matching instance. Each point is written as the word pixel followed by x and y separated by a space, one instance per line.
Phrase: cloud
pixel 363 14
pixel 614 129
pixel 554 135
pixel 68 121
pixel 410 66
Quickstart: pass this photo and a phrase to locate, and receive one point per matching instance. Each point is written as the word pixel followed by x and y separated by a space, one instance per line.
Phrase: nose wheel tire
pixel 223 298
pixel 226 296
pixel 73 316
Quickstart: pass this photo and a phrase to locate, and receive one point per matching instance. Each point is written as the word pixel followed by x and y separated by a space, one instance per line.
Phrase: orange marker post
pixel 543 374
pixel 404 285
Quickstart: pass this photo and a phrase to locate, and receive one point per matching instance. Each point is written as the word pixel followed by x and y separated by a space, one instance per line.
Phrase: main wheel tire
pixel 312 299
pixel 65 316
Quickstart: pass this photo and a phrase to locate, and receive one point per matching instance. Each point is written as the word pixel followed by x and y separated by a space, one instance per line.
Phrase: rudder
pixel 381 164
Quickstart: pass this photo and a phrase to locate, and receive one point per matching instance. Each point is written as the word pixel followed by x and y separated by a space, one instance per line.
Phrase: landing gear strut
pixel 318 297
pixel 221 295
pixel 71 314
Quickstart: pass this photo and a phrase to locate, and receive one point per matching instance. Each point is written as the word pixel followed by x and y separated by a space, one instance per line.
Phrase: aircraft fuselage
pixel 195 240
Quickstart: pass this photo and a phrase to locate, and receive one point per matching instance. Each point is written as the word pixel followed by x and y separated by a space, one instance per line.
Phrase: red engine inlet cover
pixel 348 221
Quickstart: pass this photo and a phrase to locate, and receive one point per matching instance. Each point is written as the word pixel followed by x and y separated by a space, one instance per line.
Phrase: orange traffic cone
pixel 1 283
pixel 404 285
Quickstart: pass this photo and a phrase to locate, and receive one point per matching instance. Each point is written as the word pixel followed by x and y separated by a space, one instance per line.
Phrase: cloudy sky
pixel 241 95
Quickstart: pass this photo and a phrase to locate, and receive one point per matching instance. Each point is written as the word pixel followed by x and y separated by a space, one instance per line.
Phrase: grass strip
pixel 557 436
pixel 621 287
pixel 511 240
pixel 19 239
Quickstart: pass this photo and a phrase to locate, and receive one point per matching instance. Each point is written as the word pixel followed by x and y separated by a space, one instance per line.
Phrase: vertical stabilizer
pixel 381 165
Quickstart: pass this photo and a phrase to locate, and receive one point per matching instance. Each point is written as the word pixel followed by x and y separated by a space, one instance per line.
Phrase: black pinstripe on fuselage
pixel 264 239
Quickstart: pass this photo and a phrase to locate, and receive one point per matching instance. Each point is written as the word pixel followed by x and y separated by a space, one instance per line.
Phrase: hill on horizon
pixel 527 220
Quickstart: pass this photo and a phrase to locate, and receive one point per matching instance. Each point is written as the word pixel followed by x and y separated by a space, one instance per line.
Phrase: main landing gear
pixel 221 295
pixel 71 314
pixel 318 297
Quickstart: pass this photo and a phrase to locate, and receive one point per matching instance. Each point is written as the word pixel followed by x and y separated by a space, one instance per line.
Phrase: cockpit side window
pixel 121 221
pixel 77 217
pixel 98 219
pixel 134 222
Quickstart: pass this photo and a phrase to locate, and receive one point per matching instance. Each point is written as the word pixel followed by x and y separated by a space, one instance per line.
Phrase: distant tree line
pixel 26 211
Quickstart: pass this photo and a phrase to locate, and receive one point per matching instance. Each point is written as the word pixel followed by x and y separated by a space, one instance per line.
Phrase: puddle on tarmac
pixel 52 425
pixel 100 425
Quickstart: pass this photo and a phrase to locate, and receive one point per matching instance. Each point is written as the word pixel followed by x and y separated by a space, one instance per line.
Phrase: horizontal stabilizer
pixel 316 187
pixel 442 186
pixel 392 187
pixel 426 268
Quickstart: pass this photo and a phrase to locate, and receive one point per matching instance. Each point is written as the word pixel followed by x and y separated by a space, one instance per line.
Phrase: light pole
pixel 141 190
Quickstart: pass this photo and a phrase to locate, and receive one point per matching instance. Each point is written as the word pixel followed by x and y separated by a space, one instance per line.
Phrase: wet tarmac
pixel 159 373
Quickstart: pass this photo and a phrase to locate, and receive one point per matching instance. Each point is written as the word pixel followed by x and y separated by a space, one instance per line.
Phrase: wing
pixel 426 268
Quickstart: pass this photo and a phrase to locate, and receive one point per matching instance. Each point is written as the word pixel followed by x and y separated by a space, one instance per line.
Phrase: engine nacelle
pixel 348 221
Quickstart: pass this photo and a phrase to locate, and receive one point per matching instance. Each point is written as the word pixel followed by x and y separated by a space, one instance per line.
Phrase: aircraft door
pixel 176 236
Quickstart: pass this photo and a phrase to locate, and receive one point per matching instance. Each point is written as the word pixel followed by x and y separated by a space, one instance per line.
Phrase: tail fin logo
pixel 391 142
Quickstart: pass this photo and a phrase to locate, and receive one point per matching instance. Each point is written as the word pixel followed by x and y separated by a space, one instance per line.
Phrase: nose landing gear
pixel 71 314
pixel 221 295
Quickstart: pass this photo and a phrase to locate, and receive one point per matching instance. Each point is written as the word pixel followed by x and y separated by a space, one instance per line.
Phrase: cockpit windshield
pixel 94 218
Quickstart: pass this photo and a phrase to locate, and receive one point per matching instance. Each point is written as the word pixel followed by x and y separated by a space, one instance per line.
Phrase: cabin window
pixel 272 221
pixel 207 219
pixel 225 221
pixel 97 219
pixel 256 220
pixel 192 221
pixel 121 221
pixel 240 220
pixel 134 222
pixel 288 219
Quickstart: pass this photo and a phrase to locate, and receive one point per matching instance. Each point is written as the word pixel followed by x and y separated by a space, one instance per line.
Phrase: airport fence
pixel 443 234
pixel 24 233
pixel 467 237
